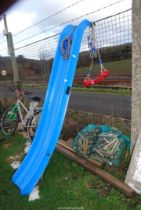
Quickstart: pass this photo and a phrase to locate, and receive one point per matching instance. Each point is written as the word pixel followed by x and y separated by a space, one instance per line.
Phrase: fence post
pixel 11 53
pixel 133 177
pixel 136 71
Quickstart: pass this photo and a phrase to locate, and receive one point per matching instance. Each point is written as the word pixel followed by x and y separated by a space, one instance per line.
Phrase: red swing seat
pixel 88 82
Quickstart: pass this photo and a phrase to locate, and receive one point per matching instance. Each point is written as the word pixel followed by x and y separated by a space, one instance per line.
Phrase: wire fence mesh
pixel 113 38
pixel 54 23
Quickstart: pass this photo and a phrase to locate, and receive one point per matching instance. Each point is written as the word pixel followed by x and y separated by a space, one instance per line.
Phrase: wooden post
pixel 133 177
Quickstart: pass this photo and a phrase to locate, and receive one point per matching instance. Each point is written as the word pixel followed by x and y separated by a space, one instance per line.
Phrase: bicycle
pixel 13 116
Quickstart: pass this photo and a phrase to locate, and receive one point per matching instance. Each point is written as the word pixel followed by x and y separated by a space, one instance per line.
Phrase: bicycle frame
pixel 14 115
pixel 29 112
pixel 19 104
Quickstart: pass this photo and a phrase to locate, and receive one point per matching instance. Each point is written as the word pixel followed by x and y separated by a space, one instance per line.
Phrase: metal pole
pixel 5 24
pixel 133 177
pixel 11 51
pixel 13 59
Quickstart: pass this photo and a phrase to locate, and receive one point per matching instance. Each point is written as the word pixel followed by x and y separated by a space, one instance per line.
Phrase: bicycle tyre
pixel 9 122
pixel 33 124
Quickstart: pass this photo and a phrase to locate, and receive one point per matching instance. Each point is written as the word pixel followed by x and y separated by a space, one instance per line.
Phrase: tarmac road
pixel 108 104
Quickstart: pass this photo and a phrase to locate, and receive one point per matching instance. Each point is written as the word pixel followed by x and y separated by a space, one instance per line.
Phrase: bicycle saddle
pixel 36 98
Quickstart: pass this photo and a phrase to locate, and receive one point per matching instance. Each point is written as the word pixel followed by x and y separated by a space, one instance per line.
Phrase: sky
pixel 28 12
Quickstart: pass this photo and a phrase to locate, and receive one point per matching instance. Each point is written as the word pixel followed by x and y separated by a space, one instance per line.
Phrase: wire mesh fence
pixel 110 32
pixel 113 38
pixel 55 22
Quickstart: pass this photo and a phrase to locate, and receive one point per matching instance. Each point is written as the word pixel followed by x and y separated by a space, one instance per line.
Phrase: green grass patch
pixel 122 67
pixel 121 91
pixel 64 184
pixel 32 85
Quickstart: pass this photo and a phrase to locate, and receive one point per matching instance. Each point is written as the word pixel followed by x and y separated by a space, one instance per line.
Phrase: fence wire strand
pixel 110 32
pixel 113 38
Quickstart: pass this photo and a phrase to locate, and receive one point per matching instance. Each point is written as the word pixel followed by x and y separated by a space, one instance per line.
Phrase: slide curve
pixel 54 109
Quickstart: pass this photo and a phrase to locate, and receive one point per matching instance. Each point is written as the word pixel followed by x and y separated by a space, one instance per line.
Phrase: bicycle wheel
pixel 33 124
pixel 9 122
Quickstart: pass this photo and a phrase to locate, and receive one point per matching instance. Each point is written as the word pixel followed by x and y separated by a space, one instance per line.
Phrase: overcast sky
pixel 28 12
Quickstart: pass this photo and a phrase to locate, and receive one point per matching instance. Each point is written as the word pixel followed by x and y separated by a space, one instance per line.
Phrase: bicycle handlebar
pixel 23 92
pixel 27 92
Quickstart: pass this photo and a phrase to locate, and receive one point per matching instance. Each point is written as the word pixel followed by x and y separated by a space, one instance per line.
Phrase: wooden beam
pixel 95 162
pixel 97 171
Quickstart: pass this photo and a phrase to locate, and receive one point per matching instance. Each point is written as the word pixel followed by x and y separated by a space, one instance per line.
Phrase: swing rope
pixel 100 61
pixel 66 47
pixel 91 44
pixel 103 72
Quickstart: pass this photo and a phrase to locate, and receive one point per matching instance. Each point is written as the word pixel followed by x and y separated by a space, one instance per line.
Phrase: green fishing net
pixel 101 142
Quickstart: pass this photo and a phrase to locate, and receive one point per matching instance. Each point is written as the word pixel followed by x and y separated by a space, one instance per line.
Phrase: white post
pixel 136 71
pixel 11 51
pixel 133 177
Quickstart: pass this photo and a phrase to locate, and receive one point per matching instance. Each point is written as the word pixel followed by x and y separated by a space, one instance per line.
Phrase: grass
pixel 121 91
pixel 122 67
pixel 65 184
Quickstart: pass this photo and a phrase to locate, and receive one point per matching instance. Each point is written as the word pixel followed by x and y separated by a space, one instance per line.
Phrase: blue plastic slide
pixel 54 109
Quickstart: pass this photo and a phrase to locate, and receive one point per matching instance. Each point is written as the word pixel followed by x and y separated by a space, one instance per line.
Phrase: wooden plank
pixel 95 162
pixel 62 143
pixel 125 189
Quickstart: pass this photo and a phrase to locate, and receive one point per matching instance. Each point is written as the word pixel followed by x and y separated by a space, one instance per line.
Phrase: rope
pixel 91 44
pixel 93 51
pixel 66 49
pixel 100 61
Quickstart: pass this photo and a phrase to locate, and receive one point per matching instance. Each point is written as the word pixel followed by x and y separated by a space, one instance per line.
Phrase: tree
pixel 44 58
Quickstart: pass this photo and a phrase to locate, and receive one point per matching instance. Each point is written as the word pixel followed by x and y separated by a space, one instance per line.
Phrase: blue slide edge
pixel 54 109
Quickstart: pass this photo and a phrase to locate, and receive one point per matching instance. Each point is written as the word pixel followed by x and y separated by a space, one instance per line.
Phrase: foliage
pixel 77 120
pixel 108 54
pixel 116 68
